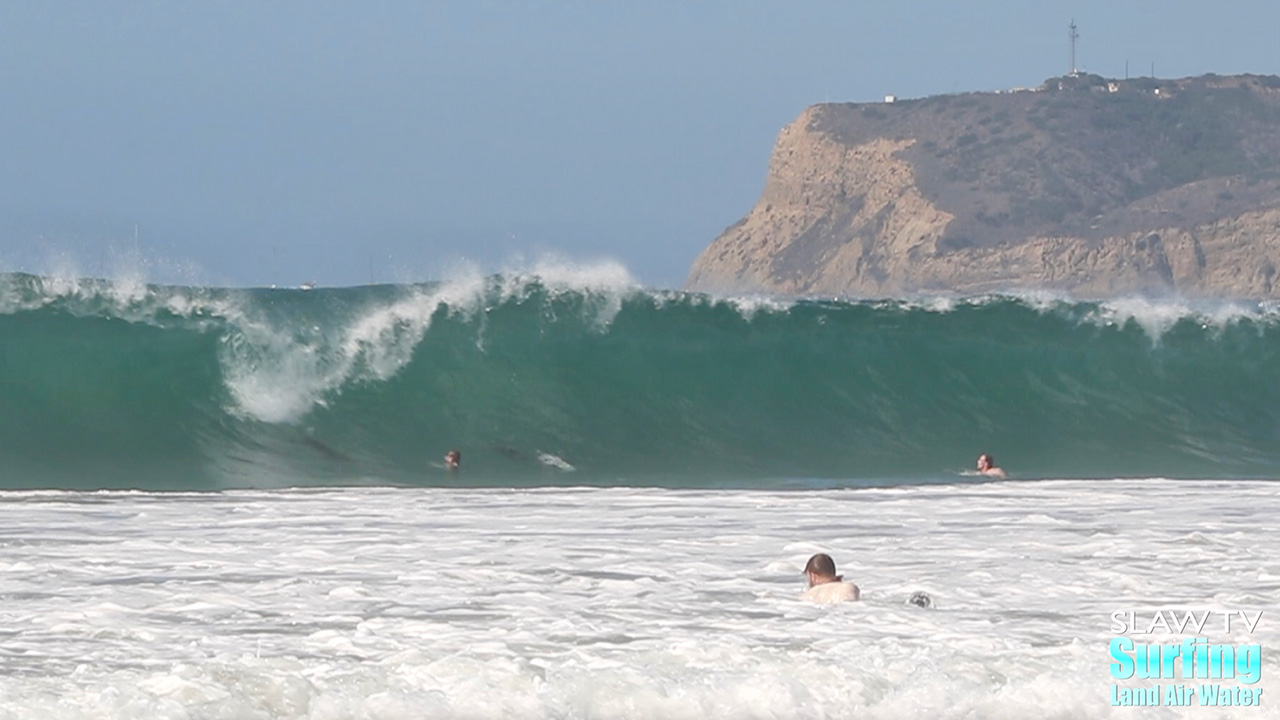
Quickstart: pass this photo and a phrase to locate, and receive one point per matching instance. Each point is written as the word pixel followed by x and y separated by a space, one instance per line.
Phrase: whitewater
pixel 613 602
pixel 230 503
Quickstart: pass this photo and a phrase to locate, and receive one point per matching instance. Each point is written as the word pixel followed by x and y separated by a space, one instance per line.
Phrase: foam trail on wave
pixel 560 275
pixel 1042 300
pixel 747 306
pixel 123 282
pixel 271 376
pixel 1157 317
pixel 607 282
pixel 276 374
pixel 126 276
pixel 383 340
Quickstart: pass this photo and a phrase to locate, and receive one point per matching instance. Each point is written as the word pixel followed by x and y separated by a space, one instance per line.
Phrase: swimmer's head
pixel 821 568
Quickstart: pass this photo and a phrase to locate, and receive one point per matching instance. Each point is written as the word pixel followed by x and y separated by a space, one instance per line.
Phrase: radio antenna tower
pixel 1072 35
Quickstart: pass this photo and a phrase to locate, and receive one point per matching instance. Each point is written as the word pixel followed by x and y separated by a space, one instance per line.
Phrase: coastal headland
pixel 1086 185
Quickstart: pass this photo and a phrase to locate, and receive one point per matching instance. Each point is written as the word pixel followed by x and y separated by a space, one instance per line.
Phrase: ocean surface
pixel 227 503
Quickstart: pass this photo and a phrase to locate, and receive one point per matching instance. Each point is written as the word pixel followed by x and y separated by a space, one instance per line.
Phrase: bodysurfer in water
pixel 452 459
pixel 825 586
pixel 987 466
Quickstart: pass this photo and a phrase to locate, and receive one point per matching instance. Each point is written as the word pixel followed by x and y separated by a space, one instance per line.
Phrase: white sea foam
pixel 1154 317
pixel 278 374
pixel 605 285
pixel 747 305
pixel 559 274
pixel 382 341
pixel 938 304
pixel 1042 300
pixel 276 377
pixel 555 461
pixel 1157 317
pixel 614 603
pixel 124 293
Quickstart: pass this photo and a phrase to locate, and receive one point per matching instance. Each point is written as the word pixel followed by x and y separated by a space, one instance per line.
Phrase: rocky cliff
pixel 1085 185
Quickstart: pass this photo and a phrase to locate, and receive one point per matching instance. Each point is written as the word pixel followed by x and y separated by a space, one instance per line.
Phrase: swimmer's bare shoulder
pixel 832 592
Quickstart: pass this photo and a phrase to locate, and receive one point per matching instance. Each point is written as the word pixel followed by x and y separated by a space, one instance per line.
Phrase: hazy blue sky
pixel 342 142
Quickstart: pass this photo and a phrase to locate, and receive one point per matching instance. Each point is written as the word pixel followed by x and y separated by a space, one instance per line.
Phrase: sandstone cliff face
pixel 843 213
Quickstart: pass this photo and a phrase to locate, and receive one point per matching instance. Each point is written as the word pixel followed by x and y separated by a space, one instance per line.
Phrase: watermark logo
pixel 1227 669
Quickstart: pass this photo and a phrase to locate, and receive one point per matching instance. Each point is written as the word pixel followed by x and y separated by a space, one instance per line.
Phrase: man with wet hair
pixel 987 466
pixel 825 586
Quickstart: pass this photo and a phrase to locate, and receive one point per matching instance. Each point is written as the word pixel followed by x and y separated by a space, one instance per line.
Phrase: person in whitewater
pixel 825 586
pixel 987 466
pixel 452 459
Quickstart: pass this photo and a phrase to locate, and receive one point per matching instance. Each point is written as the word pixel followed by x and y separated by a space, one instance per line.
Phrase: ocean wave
pixel 142 384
